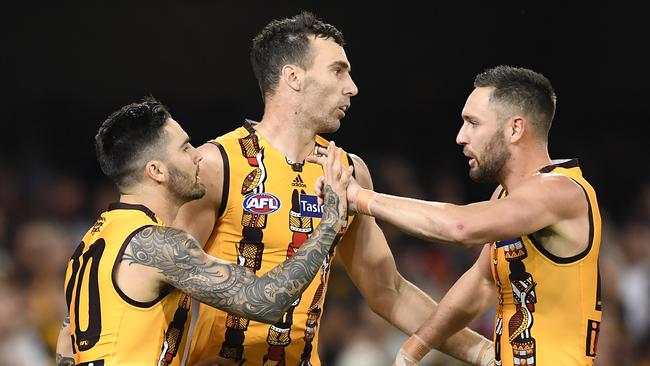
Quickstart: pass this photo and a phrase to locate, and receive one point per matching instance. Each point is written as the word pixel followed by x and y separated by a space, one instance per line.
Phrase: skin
pixel 171 256
pixel 307 102
pixel 63 345
pixel 507 150
pixel 160 256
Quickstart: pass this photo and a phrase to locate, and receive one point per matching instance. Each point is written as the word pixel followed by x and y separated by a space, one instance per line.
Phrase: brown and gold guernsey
pixel 109 328
pixel 549 308
pixel 268 211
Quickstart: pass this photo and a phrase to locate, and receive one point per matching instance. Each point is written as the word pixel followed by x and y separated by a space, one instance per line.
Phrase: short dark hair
pixel 128 138
pixel 523 91
pixel 286 41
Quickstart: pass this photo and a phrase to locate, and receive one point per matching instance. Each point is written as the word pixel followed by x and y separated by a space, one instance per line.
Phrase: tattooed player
pixel 130 282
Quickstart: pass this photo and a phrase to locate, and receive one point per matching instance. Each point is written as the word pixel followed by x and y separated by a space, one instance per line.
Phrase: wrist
pixel 482 353
pixel 363 201
pixel 413 351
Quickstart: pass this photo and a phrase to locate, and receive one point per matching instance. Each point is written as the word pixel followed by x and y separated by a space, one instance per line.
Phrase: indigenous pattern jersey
pixel 109 328
pixel 268 211
pixel 549 308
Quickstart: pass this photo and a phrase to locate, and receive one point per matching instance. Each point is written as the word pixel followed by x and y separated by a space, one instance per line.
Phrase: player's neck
pixel 524 164
pixel 164 208
pixel 285 133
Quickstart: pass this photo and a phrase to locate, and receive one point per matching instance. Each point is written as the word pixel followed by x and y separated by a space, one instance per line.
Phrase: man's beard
pixel 184 187
pixel 494 157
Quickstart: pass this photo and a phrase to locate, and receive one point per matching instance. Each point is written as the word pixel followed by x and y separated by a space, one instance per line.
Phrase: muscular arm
pixel 470 296
pixel 64 345
pixel 371 266
pixel 540 202
pixel 181 262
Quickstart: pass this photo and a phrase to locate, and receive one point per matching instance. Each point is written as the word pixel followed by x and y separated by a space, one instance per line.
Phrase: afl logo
pixel 261 203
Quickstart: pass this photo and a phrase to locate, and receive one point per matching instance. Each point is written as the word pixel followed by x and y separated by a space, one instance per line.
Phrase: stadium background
pixel 66 65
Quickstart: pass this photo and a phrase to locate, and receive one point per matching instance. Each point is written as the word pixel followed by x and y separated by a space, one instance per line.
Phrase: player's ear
pixel 292 76
pixel 516 128
pixel 156 170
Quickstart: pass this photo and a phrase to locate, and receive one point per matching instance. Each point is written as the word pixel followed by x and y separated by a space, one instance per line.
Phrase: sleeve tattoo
pixel 184 264
pixel 66 320
pixel 64 361
pixel 60 359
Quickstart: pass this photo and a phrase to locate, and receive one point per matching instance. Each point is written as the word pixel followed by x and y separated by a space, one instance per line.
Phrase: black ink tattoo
pixel 232 288
pixel 66 320
pixel 64 361
pixel 59 359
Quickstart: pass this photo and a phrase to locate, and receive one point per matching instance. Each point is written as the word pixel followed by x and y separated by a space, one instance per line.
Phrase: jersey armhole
pixel 590 244
pixel 226 178
pixel 118 259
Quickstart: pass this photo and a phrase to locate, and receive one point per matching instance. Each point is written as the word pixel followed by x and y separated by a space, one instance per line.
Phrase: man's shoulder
pixel 234 134
pixel 217 146
pixel 553 189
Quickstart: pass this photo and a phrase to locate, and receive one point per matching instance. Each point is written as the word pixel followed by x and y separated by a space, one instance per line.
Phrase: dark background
pixel 67 65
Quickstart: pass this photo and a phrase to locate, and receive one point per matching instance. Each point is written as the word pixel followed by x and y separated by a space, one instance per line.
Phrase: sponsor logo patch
pixel 309 206
pixel 503 243
pixel 261 203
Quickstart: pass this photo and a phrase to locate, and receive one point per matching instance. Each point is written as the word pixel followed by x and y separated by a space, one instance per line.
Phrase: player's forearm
pixel 272 294
pixel 63 360
pixel 64 355
pixel 435 221
pixel 407 307
pixel 467 299
pixel 180 260
pixel 268 297
pixel 468 346
pixel 413 308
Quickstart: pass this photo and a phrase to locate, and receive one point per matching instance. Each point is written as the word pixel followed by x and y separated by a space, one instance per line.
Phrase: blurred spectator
pixel 42 251
pixel 20 344
pixel 104 194
pixel 367 345
pixel 634 280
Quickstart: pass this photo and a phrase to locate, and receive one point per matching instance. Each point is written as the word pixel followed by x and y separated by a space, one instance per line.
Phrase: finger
pixel 318 185
pixel 321 150
pixel 338 158
pixel 336 163
pixel 331 152
pixel 339 161
pixel 319 189
pixel 346 176
pixel 320 160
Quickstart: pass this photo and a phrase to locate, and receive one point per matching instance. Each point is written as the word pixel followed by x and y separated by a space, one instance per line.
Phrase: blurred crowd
pixel 44 213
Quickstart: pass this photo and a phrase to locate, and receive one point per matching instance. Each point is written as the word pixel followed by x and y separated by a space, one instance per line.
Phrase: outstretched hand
pixel 336 174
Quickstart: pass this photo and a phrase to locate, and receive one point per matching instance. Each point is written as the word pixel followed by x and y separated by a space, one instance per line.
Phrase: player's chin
pixel 199 191
pixel 331 126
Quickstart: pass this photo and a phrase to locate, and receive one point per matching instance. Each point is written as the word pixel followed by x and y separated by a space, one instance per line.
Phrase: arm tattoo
pixel 232 288
pixel 64 361
pixel 60 359
pixel 66 320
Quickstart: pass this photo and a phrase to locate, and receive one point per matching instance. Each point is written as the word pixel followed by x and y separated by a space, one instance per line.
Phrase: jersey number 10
pixel 85 266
